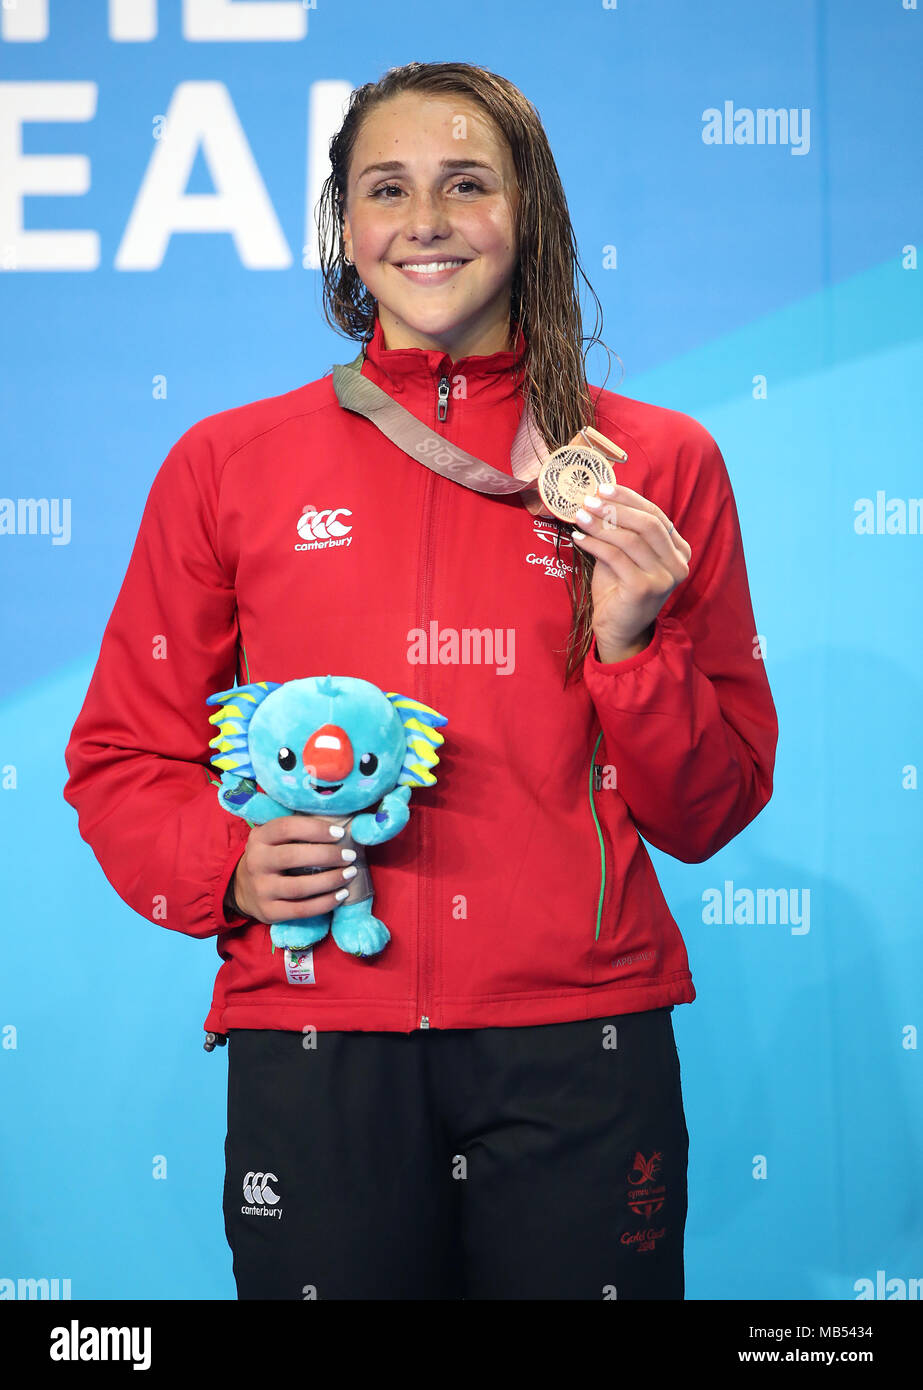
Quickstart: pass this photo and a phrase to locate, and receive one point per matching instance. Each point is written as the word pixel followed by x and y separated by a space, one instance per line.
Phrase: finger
pixel 612 554
pixel 655 529
pixel 287 829
pixel 648 545
pixel 292 856
pixel 626 498
pixel 287 910
pixel 297 886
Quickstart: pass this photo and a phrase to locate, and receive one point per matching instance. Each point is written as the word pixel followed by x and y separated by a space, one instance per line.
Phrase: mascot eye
pixel 367 764
pixel 286 759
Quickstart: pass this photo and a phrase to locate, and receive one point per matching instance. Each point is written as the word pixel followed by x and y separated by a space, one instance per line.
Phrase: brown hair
pixel 544 294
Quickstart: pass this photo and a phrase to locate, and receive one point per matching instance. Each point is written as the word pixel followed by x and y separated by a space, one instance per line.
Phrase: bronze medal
pixel 568 475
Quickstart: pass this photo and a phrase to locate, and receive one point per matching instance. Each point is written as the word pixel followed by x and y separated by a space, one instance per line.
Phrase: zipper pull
pixel 443 397
pixel 424 1022
pixel 597 777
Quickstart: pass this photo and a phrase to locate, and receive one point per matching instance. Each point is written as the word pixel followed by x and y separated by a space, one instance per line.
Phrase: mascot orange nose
pixel 328 754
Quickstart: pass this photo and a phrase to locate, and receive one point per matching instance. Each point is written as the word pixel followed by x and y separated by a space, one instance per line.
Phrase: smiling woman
pixel 517 1033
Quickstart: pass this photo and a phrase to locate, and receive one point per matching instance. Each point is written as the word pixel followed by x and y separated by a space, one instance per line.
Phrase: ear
pixel 414 714
pixel 254 693
pixel 347 238
pixel 421 738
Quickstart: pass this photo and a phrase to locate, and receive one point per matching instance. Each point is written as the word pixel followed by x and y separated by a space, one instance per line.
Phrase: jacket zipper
pixel 425 964
pixel 596 785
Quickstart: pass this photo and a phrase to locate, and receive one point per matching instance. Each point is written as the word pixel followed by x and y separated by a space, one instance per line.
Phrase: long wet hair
pixel 544 298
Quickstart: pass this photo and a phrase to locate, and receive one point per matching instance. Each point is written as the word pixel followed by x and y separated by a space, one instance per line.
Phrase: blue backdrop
pixel 768 288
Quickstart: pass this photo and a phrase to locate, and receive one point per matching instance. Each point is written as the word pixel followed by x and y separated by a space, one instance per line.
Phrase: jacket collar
pixel 415 372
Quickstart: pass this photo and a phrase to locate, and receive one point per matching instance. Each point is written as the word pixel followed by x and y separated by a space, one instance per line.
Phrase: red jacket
pixel 520 891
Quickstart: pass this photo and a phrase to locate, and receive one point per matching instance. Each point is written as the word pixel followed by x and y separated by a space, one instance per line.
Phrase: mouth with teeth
pixel 430 270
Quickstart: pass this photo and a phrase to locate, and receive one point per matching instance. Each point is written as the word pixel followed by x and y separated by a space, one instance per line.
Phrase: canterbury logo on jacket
pixel 289 538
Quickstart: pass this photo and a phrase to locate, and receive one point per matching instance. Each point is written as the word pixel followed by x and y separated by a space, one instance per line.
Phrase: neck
pixel 461 340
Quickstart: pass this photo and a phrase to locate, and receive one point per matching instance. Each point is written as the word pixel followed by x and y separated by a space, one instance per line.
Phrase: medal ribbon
pixel 527 453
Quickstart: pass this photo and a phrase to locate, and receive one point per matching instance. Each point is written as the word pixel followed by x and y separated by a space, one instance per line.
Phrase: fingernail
pixel 590 501
pixel 578 535
pixel 348 854
pixel 343 893
pixel 583 516
pixel 350 872
pixel 606 489
pixel 337 831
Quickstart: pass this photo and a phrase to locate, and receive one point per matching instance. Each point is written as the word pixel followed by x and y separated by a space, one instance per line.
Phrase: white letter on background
pixel 50 174
pixel 202 116
pixel 208 21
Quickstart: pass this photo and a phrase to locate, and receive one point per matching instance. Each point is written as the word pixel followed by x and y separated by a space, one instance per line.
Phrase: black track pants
pixel 544 1162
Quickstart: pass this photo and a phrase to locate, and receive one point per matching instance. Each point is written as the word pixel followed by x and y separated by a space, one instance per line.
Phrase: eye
pixel 286 759
pixel 368 764
pixel 384 188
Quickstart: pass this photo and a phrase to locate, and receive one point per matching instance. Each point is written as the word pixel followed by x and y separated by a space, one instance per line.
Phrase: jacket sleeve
pixel 140 776
pixel 689 723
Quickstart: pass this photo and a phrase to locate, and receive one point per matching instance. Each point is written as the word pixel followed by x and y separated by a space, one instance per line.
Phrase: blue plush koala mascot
pixel 326 746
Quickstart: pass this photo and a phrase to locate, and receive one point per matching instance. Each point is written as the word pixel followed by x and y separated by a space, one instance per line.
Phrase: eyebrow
pixel 393 165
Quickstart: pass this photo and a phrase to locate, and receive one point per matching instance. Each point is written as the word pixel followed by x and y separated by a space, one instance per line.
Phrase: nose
pixel 328 754
pixel 426 217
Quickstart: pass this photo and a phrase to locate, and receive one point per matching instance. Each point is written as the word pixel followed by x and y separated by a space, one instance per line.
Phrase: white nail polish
pixel 348 854
pixel 350 872
pixel 344 892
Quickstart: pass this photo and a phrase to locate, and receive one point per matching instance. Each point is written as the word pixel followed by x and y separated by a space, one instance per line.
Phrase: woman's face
pixel 449 195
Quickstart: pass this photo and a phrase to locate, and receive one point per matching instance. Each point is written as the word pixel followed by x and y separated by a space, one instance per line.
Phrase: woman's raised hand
pixel 640 559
